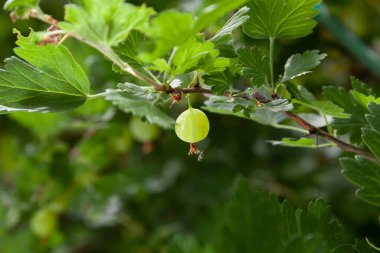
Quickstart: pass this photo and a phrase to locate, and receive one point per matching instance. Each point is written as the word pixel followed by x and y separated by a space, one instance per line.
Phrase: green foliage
pixel 170 29
pixel 256 65
pixel 188 55
pixel 366 175
pixel 349 103
pixel 301 64
pixel 21 8
pixel 304 97
pixel 238 19
pixel 49 81
pixel 142 102
pixel 281 19
pixel 85 164
pixel 254 220
pixel 215 11
pixel 105 23
pixel 128 50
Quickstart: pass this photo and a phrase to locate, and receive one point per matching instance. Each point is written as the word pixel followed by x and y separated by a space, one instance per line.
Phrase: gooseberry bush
pixel 175 69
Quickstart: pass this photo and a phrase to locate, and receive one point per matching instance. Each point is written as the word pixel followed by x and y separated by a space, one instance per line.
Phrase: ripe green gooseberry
pixel 192 125
pixel 143 131
pixel 44 222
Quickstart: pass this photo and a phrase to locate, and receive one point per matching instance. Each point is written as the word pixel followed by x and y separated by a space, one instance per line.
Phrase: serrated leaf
pixel 243 225
pixel 351 125
pixel 365 174
pixel 304 97
pixel 211 64
pixel 129 49
pixel 238 19
pixel 49 81
pixel 170 29
pixel 361 86
pixel 288 19
pixel 188 55
pixel 221 82
pixel 371 139
pixel 373 117
pixel 21 8
pixel 225 47
pixel 364 100
pixel 301 64
pixel 256 65
pixel 105 23
pixel 300 143
pixel 210 14
pixel 142 102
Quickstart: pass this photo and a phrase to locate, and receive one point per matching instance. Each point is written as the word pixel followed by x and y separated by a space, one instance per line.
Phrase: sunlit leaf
pixel 105 23
pixel 281 18
pixel 301 64
pixel 49 80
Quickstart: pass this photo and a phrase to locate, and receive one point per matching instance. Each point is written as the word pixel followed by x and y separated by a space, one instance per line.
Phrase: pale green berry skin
pixel 44 222
pixel 192 125
pixel 142 131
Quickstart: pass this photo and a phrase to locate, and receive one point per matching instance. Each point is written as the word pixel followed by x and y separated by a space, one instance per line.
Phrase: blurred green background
pixel 115 197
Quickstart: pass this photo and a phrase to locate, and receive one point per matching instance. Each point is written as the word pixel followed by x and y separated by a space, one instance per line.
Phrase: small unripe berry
pixel 44 222
pixel 192 125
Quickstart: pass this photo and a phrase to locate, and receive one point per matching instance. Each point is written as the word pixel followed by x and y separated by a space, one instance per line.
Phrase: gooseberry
pixel 192 125
pixel 44 222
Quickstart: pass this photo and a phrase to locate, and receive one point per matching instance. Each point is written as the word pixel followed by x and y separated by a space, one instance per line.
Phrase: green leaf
pixel 129 49
pixel 242 226
pixel 301 64
pixel 170 29
pixel 142 102
pixel 373 117
pixel 188 55
pixel 300 143
pixel 346 100
pixel 256 65
pixel 215 11
pixel 105 23
pixel 361 86
pixel 21 8
pixel 288 19
pixel 371 138
pixel 304 97
pixel 49 81
pixel 364 100
pixel 365 174
pixel 221 82
pixel 238 19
